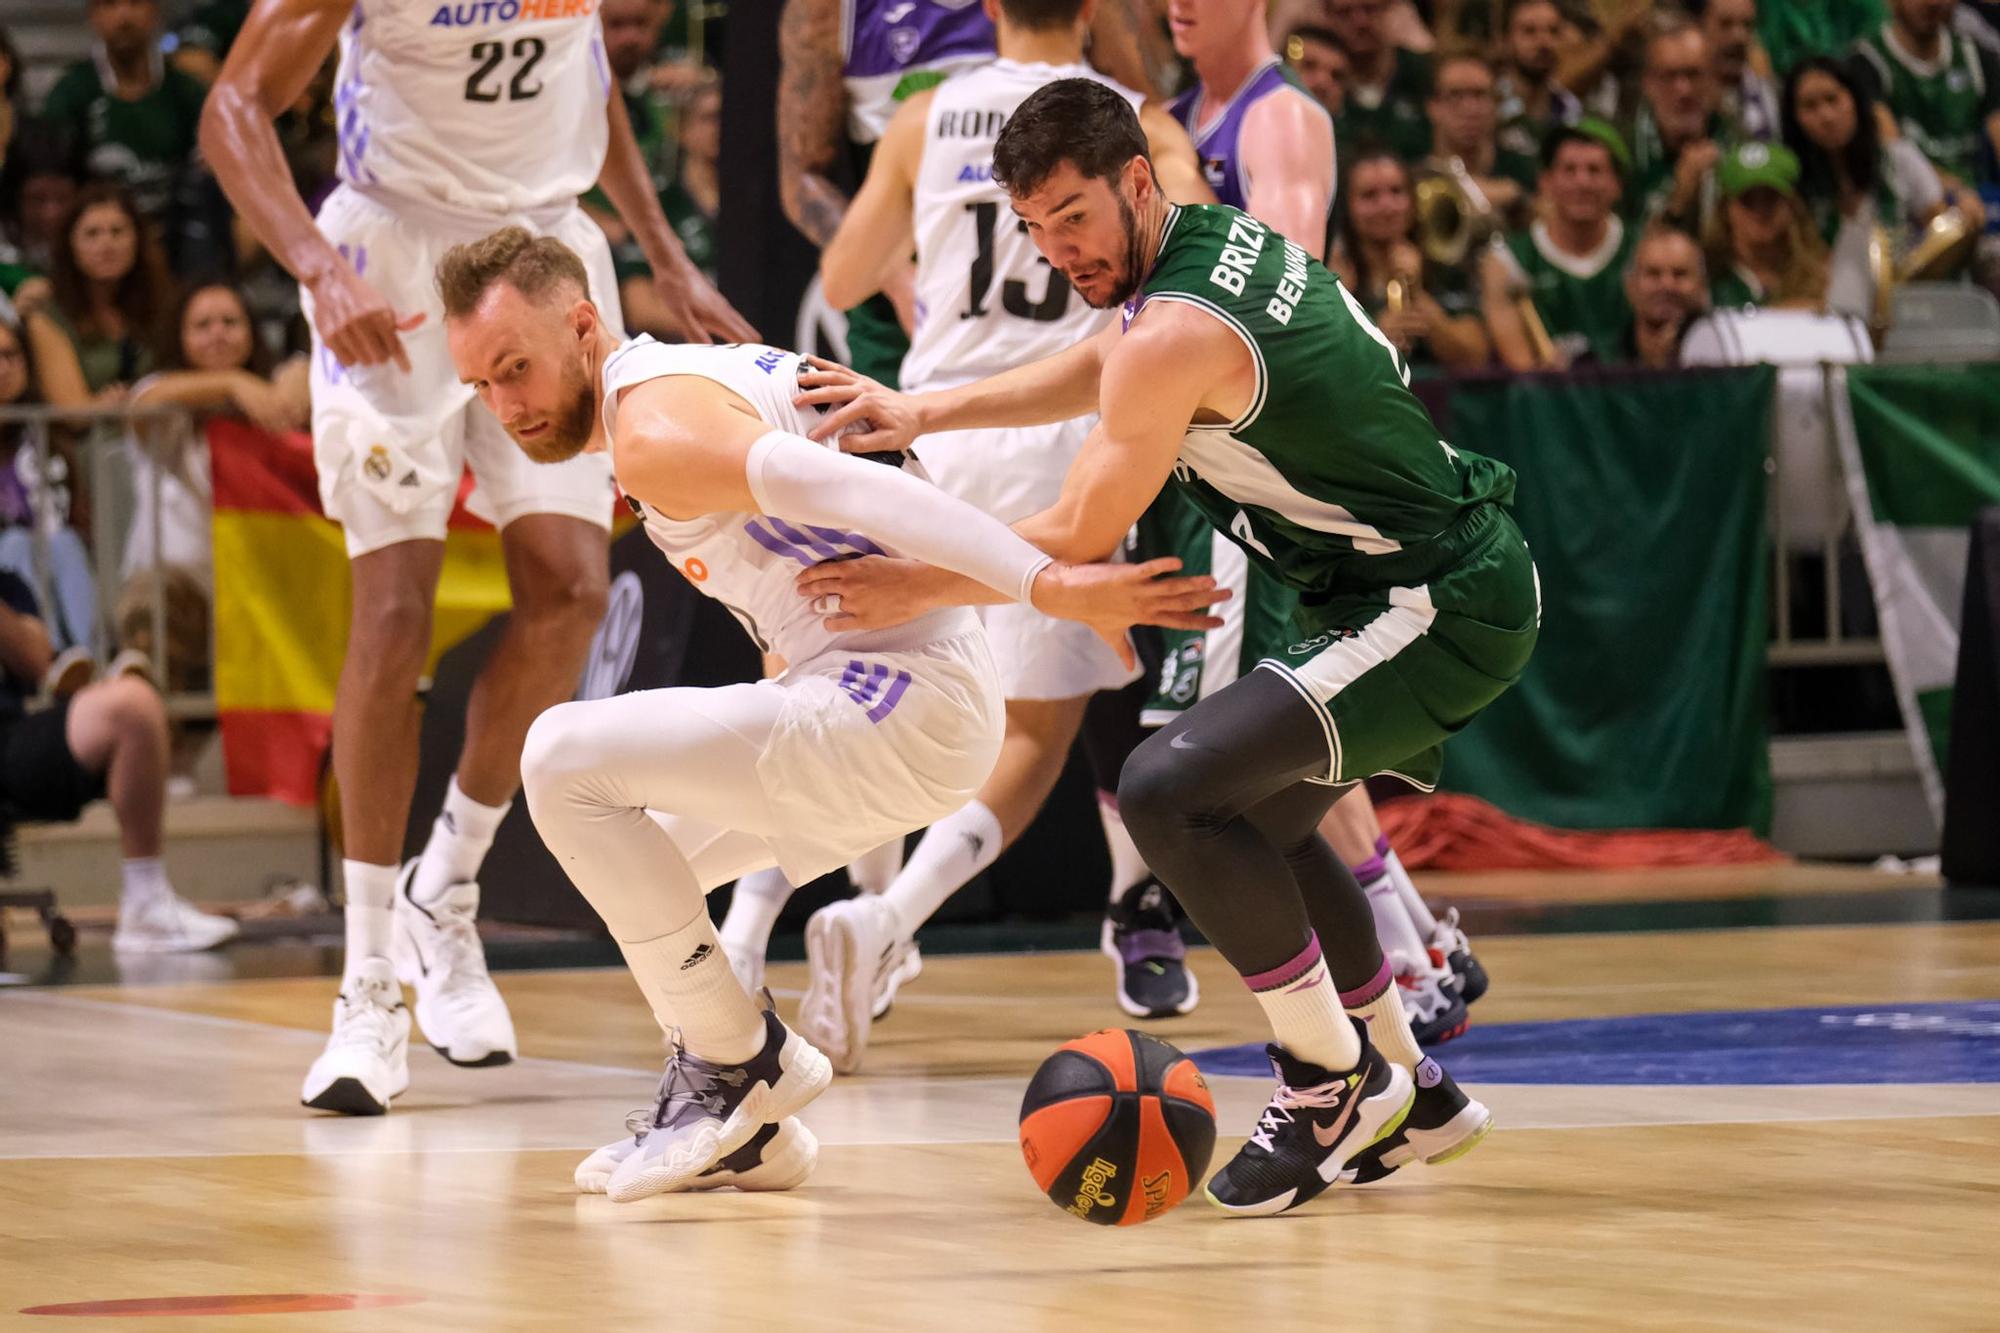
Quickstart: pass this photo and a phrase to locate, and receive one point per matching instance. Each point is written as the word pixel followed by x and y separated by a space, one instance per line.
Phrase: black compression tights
pixel 1219 805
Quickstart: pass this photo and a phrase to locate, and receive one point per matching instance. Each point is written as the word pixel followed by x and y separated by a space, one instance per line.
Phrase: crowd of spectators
pixel 1620 167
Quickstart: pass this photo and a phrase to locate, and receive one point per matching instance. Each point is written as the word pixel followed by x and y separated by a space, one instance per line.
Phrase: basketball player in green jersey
pixel 1246 375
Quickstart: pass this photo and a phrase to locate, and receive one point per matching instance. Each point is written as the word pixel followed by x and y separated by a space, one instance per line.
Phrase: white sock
pixel 874 872
pixel 143 883
pixel 461 836
pixel 953 850
pixel 686 979
pixel 1394 930
pixel 1127 866
pixel 1419 910
pixel 1304 1010
pixel 370 914
pixel 1380 1006
pixel 754 907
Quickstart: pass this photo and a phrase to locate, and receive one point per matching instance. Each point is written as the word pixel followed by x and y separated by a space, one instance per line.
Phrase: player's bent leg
pixel 365 1062
pixel 591 772
pixel 1184 795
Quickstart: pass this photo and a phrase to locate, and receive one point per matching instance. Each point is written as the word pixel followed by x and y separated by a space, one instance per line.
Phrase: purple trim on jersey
pixel 770 542
pixel 851 539
pixel 923 32
pixel 603 65
pixel 792 534
pixel 1220 149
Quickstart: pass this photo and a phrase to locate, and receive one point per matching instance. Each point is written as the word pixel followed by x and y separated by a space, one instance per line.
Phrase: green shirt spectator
pixel 1570 264
pixel 1677 132
pixel 1386 85
pixel 132 116
pixel 1795 30
pixel 1940 87
pixel 1763 247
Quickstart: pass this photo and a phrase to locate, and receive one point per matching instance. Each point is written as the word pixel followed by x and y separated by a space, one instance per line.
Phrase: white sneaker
pixel 170 924
pixel 366 1062
pixel 459 1009
pixel 906 966
pixel 1430 1000
pixel 778 1157
pixel 850 946
pixel 708 1110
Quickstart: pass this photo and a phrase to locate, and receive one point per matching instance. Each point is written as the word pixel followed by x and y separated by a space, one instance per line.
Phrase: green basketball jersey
pixel 1334 478
pixel 1581 299
pixel 1940 106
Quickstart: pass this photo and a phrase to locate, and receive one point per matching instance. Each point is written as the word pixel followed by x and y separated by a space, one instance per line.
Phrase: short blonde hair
pixel 532 265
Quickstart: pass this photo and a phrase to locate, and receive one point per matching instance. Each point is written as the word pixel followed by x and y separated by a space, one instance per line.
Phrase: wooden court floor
pixel 151 1149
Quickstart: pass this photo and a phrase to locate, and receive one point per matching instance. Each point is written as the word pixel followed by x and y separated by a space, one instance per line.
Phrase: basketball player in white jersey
pixel 649 800
pixel 453 118
pixel 985 301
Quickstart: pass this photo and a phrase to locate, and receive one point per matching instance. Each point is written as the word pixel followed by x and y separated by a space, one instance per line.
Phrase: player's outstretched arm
pixel 876 237
pixel 692 302
pixel 877 419
pixel 1129 454
pixel 282 44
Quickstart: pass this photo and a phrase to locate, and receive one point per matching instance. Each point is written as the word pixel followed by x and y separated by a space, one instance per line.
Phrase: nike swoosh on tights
pixel 1179 741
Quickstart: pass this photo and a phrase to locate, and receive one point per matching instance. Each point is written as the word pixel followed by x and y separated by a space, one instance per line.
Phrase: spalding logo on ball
pixel 1117 1127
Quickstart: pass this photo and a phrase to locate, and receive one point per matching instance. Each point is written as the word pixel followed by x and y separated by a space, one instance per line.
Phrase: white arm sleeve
pixel 793 478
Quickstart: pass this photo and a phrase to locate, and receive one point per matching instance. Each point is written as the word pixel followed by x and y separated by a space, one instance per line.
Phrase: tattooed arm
pixel 812 108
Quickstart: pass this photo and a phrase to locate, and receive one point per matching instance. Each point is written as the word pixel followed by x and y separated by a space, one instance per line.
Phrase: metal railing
pixel 1812 526
pixel 105 444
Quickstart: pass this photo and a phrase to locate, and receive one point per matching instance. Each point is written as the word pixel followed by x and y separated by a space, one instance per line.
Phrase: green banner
pixel 1921 449
pixel 1643 499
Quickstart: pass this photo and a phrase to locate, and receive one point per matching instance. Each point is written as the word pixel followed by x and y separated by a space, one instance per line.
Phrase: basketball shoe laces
pixel 1278 1114
pixel 463 959
pixel 366 1011
pixel 690 1083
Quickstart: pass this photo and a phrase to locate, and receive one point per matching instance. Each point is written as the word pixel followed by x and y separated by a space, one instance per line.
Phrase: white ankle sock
pixel 1304 1010
pixel 1420 911
pixel 754 907
pixel 953 850
pixel 143 882
pixel 1394 930
pixel 874 872
pixel 686 979
pixel 1380 1006
pixel 370 913
pixel 1127 866
pixel 461 836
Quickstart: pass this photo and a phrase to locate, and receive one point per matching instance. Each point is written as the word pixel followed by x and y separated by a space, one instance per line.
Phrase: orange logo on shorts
pixel 695 570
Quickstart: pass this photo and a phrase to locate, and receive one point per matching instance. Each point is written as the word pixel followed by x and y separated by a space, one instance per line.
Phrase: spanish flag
pixel 281 606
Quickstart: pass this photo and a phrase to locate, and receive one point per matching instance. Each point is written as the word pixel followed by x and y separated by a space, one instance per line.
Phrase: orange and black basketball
pixel 1117 1127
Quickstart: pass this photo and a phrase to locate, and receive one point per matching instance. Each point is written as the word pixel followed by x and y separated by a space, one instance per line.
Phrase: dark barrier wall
pixel 1971 845
pixel 763 264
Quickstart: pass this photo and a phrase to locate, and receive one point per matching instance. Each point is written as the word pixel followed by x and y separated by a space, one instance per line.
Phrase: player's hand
pixel 1112 598
pixel 697 309
pixel 868 417
pixel 355 323
pixel 872 592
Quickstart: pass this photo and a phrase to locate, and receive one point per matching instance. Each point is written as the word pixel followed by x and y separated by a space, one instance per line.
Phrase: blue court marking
pixel 1900 1043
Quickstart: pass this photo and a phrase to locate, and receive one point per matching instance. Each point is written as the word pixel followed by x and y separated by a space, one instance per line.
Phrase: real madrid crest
pixel 376 465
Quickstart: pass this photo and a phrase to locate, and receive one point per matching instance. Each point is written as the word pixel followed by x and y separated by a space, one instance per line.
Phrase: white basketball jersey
pixel 748 561
pixel 986 299
pixel 488 106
